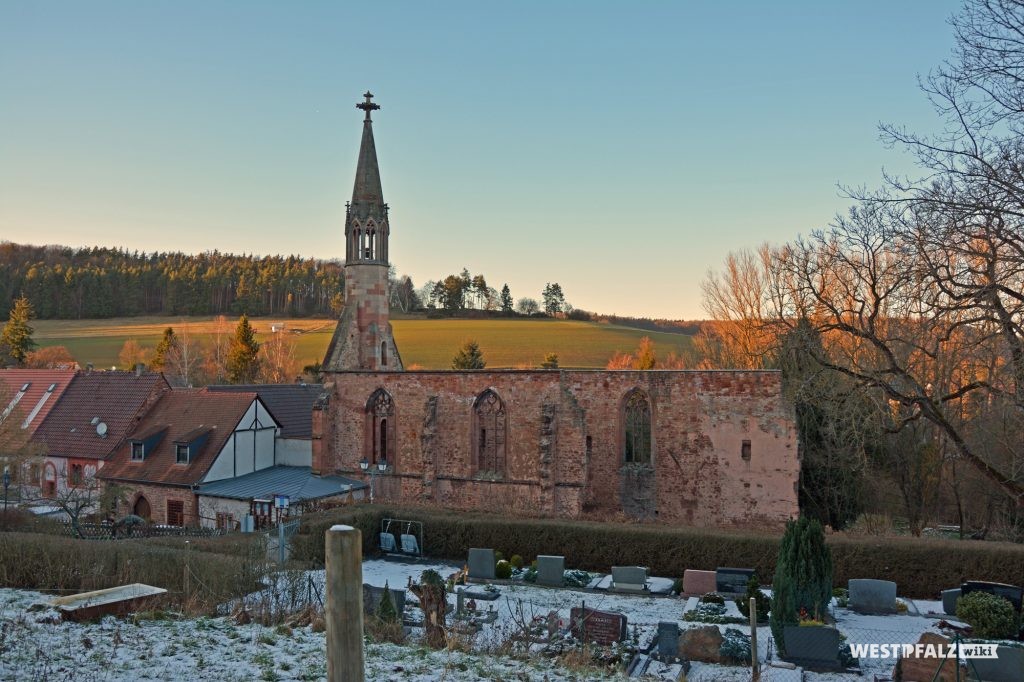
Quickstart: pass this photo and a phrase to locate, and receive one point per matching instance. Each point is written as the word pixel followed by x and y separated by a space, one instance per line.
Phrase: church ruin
pixel 705 448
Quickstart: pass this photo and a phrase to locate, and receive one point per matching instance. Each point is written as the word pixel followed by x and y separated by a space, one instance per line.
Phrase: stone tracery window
pixel 380 422
pixel 490 429
pixel 636 431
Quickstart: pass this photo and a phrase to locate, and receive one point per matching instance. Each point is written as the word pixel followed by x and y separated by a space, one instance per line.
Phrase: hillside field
pixel 427 343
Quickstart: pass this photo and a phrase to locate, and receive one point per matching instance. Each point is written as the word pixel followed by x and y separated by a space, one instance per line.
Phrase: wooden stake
pixel 344 615
pixel 755 669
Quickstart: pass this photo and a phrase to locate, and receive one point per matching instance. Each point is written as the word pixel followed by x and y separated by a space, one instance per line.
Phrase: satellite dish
pixel 101 430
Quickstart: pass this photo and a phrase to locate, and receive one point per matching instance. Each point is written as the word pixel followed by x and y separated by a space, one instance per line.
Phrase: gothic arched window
pixel 380 425
pixel 489 433
pixel 636 431
pixel 383 353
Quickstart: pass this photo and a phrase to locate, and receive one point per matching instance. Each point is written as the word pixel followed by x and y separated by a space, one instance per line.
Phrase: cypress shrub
pixel 803 576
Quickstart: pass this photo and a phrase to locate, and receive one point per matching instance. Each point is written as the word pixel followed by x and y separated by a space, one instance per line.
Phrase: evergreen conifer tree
pixel 243 356
pixel 167 342
pixel 17 334
pixel 506 300
pixel 803 576
pixel 469 356
pixel 386 610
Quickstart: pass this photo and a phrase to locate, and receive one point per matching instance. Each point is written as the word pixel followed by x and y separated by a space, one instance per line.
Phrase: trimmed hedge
pixel 920 567
pixel 43 562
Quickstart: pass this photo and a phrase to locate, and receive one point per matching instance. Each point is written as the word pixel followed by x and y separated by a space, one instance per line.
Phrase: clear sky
pixel 619 148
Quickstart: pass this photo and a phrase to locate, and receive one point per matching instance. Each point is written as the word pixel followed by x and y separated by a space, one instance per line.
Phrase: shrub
pixel 710 612
pixel 516 561
pixel 842 596
pixel 761 600
pixel 735 647
pixel 503 570
pixel 803 576
pixel 499 555
pixel 713 598
pixel 386 611
pixel 990 616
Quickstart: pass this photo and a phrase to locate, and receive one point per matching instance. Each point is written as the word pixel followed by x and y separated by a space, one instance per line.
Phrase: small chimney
pixel 88 367
pixel 139 369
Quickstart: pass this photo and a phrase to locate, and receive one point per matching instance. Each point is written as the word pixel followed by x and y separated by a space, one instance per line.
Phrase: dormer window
pixel 181 453
pixel 138 452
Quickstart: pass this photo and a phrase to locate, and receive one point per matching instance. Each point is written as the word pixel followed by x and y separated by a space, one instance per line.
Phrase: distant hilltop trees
pixel 69 283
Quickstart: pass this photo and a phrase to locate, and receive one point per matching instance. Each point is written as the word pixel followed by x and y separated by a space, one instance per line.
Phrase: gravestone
pixel 732 580
pixel 1009 592
pixel 481 564
pixel 668 639
pixel 1007 666
pixel 699 582
pixel 629 578
pixel 372 596
pixel 949 598
pixel 551 570
pixel 872 596
pixel 603 627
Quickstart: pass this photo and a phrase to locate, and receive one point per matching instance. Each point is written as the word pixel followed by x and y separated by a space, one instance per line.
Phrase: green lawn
pixel 427 343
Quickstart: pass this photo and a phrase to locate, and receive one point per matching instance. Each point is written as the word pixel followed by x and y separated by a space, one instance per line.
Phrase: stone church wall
pixel 564 443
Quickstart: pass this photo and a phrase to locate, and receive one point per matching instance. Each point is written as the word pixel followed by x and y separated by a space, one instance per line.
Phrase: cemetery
pixel 537 613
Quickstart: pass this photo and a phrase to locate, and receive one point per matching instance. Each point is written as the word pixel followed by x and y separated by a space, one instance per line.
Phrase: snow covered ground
pixel 36 645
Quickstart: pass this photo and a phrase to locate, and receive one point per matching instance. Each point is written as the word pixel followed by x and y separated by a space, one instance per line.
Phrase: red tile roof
pixel 182 412
pixel 116 399
pixel 38 380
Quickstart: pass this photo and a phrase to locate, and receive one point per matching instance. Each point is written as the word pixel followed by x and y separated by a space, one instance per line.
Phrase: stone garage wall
pixel 564 443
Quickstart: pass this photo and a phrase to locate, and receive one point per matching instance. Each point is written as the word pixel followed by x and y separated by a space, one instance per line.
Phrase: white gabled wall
pixel 250 447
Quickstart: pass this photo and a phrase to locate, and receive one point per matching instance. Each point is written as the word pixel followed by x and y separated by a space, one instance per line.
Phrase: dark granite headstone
pixel 1009 592
pixel 603 627
pixel 551 570
pixel 872 596
pixel 481 564
pixel 668 639
pixel 949 599
pixel 732 580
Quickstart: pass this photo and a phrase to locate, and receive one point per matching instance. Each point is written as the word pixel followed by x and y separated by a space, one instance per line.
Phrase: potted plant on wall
pixel 801 593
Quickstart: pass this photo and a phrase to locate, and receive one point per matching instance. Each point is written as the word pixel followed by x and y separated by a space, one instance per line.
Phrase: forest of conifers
pixel 71 283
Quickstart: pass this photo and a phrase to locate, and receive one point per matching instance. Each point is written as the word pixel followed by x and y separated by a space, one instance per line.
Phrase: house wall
pixel 250 448
pixel 564 449
pixel 294 452
pixel 158 495
pixel 209 507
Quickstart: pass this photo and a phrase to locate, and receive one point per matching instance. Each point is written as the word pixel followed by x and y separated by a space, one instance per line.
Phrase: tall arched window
pixel 636 431
pixel 380 423
pixel 383 353
pixel 489 433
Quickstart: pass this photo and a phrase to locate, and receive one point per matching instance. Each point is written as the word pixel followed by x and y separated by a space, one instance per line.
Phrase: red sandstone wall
pixel 699 422
pixel 158 496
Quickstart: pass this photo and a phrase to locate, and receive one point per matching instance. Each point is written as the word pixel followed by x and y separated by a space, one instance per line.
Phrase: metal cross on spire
pixel 368 105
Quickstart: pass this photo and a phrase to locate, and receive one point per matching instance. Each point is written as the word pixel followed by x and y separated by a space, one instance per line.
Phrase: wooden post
pixel 344 615
pixel 754 668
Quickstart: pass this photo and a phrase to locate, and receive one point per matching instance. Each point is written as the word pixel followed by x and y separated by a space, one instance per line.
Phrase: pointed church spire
pixel 366 229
